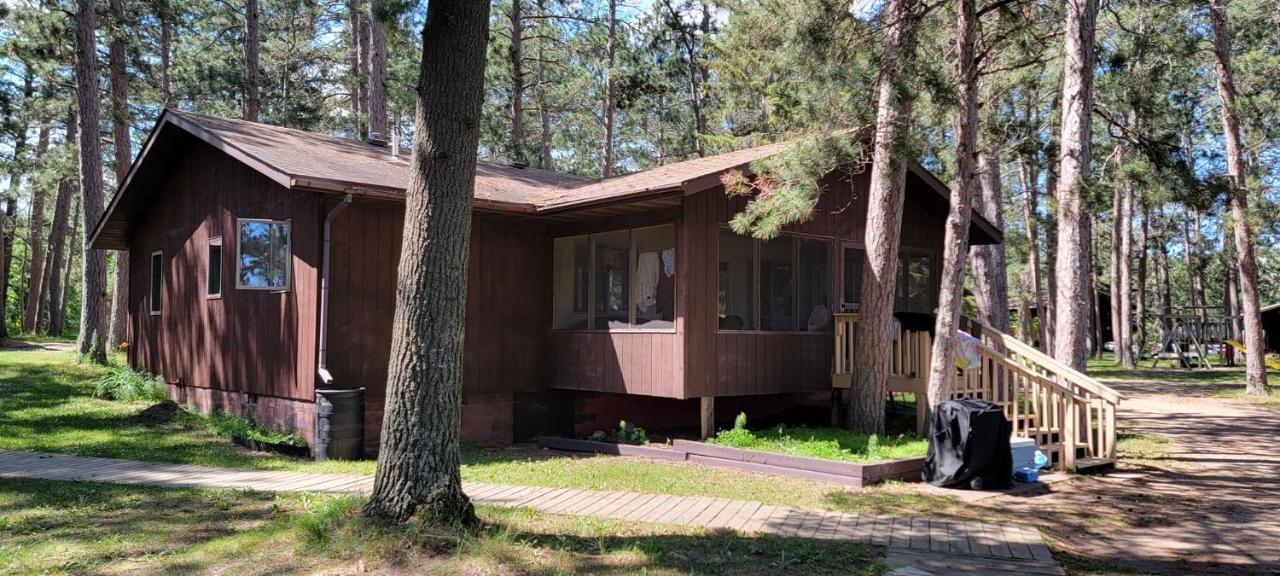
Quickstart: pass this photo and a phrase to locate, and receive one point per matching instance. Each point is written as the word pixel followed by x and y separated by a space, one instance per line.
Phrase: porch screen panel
pixel 655 277
pixel 914 292
pixel 572 281
pixel 778 285
pixel 736 282
pixel 813 291
pixel 611 255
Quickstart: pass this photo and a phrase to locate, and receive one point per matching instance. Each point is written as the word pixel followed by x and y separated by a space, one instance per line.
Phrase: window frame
pixel 222 254
pixel 155 286
pixel 631 284
pixel 846 306
pixel 288 269
pixel 757 246
pixel 905 253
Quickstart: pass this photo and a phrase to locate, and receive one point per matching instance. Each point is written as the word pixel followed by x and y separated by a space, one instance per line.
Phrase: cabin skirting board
pixel 278 413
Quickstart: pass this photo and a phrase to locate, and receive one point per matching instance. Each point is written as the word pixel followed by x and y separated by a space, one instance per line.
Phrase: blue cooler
pixel 1023 451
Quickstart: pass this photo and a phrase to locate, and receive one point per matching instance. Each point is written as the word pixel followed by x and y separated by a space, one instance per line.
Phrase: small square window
pixel 155 295
pixel 263 254
pixel 213 276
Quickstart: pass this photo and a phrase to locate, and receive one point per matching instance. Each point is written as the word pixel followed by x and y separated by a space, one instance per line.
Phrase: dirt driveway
pixel 1210 504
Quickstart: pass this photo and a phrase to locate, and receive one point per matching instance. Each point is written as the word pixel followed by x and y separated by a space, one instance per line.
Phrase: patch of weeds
pixel 828 443
pixel 233 426
pixel 122 383
pixel 625 433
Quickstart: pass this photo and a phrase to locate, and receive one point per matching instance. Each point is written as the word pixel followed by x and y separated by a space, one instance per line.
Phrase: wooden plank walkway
pixel 926 544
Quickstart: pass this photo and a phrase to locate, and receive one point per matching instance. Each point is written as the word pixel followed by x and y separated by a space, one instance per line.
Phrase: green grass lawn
pixel 89 528
pixel 46 404
pixel 828 443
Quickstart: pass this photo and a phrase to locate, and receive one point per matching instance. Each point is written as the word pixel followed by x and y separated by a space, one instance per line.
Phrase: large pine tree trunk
pixel 123 156
pixel 884 221
pixel 955 247
pixel 1114 269
pixel 93 307
pixel 35 240
pixel 251 74
pixel 1140 292
pixel 1071 312
pixel 58 244
pixel 990 278
pixel 609 105
pixel 1255 370
pixel 377 90
pixel 418 464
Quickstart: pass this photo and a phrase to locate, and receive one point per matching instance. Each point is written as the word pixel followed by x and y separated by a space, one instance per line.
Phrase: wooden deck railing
pixel 1069 415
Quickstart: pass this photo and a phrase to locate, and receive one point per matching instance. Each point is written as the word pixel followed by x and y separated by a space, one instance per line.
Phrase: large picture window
pixel 615 280
pixel 790 275
pixel 262 254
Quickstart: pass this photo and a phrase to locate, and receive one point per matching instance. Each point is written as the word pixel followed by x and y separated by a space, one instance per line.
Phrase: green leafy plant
pixel 829 443
pixel 233 426
pixel 625 433
pixel 122 383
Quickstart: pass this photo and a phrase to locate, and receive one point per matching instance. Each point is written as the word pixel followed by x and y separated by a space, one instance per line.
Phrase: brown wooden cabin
pixel 588 302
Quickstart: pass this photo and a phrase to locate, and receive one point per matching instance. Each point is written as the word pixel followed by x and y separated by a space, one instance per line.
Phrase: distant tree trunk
pixel 955 247
pixel 1140 294
pixel 607 109
pixel 123 156
pixel 59 244
pixel 693 73
pixel 1095 300
pixel 1114 269
pixel 7 229
pixel 377 90
pixel 1123 293
pixel 990 276
pixel 166 51
pixel 1255 370
pixel 515 58
pixel 356 60
pixel 1072 306
pixel 884 220
pixel 418 464
pixel 251 82
pixel 93 342
pixel 76 212
pixel 35 240
pixel 1030 218
pixel 544 113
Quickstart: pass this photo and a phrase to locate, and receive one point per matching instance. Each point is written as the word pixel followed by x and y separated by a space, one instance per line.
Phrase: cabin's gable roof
pixel 301 160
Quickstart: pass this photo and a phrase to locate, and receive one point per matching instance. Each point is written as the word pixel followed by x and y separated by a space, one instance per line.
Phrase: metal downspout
pixel 321 368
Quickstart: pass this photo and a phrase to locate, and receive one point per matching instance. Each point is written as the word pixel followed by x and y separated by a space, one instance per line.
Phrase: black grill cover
pixel 968 439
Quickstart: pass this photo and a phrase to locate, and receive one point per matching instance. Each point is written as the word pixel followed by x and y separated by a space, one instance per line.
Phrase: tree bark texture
pixel 1140 292
pixel 955 247
pixel 377 89
pixel 609 105
pixel 418 464
pixel 990 277
pixel 1123 293
pixel 58 245
pixel 515 104
pixel 251 69
pixel 7 227
pixel 1246 262
pixel 92 340
pixel 1071 312
pixel 123 150
pixel 884 220
pixel 35 240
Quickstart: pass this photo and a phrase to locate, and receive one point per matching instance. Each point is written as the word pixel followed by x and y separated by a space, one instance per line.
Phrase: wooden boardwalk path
pixel 918 546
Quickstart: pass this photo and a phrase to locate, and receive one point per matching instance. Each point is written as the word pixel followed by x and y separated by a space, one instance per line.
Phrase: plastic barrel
pixel 340 424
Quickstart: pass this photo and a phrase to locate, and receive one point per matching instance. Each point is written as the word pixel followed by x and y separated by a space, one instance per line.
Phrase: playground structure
pixel 1186 336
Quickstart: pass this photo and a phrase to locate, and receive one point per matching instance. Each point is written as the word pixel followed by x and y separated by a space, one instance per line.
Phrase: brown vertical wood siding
pixel 738 363
pixel 249 341
pixel 508 314
pixel 645 363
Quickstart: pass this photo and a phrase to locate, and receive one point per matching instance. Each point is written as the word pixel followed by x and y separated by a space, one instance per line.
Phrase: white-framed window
pixel 263 254
pixel 156 293
pixel 213 275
